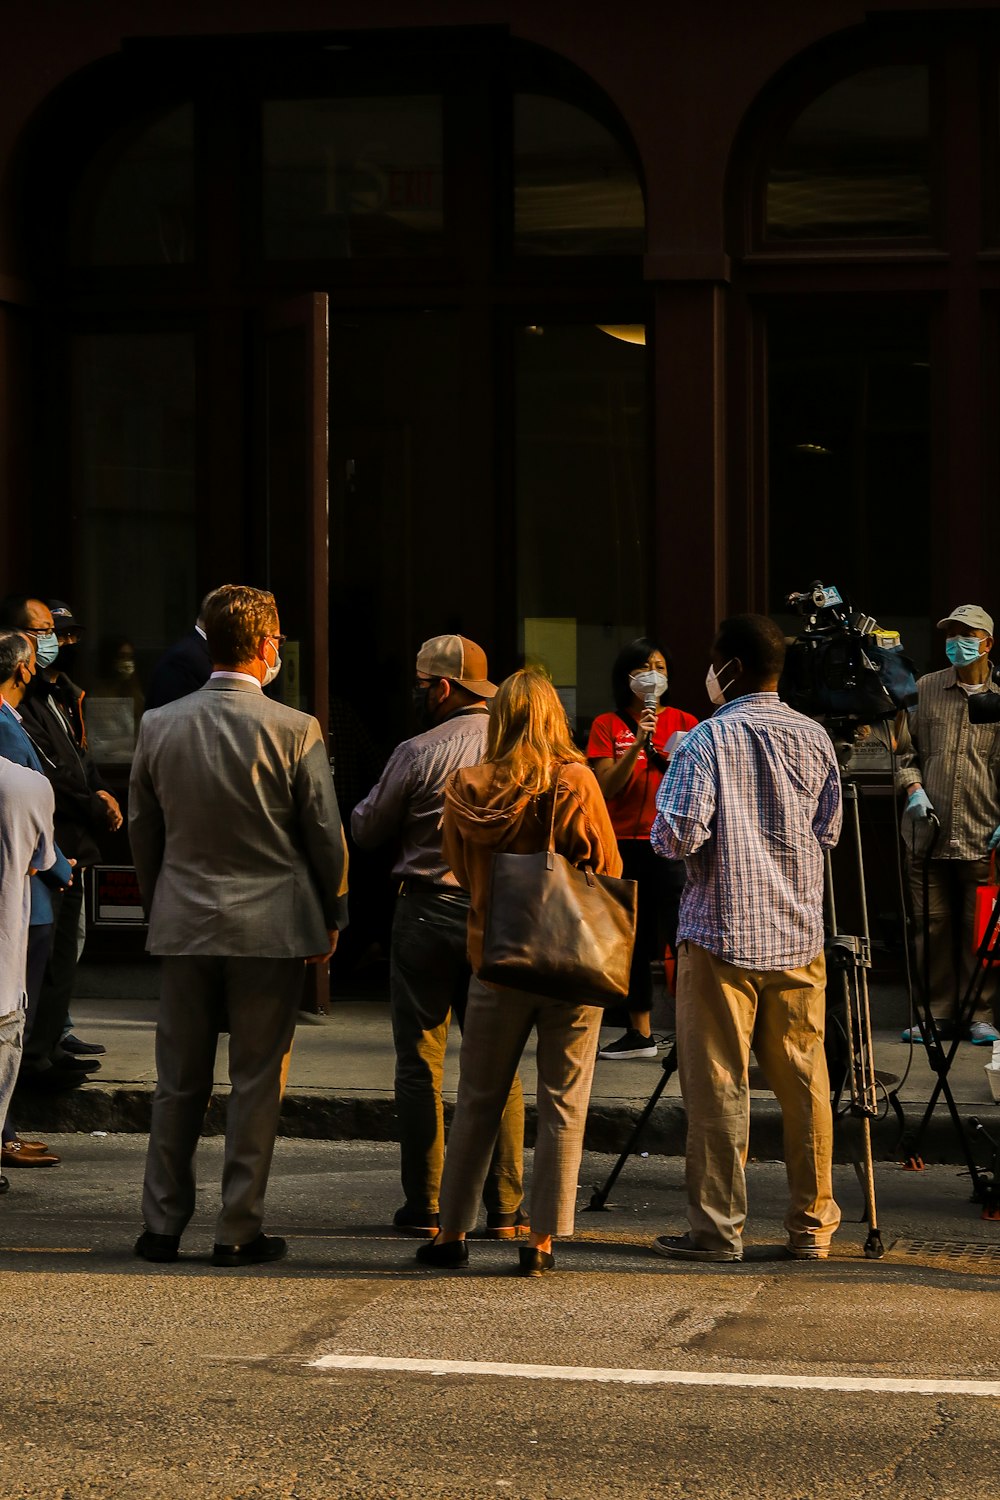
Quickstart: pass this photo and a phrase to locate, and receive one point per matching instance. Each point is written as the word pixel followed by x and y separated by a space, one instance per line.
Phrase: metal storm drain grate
pixel 947 1250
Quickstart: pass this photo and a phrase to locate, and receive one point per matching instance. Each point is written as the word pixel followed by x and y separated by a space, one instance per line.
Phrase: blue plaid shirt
pixel 750 801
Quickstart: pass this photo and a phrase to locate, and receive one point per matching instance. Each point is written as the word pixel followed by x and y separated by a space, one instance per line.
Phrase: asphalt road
pixel 122 1379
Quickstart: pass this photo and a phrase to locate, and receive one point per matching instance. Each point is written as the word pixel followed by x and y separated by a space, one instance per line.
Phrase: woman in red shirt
pixel 629 751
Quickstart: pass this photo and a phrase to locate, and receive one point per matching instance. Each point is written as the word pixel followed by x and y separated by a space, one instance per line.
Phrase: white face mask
pixel 715 690
pixel 648 683
pixel 270 673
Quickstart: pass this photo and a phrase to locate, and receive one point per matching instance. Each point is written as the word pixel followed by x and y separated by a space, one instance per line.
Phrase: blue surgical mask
pixel 962 650
pixel 46 648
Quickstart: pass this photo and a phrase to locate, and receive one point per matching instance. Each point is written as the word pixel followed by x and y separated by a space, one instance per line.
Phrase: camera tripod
pixel 848 959
pixel 940 1060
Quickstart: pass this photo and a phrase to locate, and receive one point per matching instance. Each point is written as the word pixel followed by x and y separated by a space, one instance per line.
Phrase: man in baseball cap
pixel 429 971
pixel 454 659
pixel 968 620
pixel 947 766
pixel 67 627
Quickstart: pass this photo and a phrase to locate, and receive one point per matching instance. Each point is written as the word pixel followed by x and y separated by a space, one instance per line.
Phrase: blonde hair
pixel 528 737
pixel 237 618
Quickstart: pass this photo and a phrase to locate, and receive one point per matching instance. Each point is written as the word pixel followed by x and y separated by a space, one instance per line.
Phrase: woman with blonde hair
pixel 532 778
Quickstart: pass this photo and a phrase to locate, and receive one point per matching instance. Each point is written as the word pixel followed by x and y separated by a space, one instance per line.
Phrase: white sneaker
pixel 632 1044
pixel 981 1034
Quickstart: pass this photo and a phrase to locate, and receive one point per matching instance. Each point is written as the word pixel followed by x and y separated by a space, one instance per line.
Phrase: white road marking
pixel 849 1383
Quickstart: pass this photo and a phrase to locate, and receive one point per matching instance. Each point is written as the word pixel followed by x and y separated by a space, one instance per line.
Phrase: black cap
pixel 63 618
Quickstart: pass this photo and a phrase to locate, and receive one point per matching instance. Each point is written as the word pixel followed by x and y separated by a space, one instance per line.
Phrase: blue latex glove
pixel 994 839
pixel 917 824
pixel 919 806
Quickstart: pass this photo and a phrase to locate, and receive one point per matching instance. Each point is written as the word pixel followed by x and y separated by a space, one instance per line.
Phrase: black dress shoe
pixel 415 1222
pixel 258 1252
pixel 157 1247
pixel 4 1185
pixel 532 1262
pixel 70 1064
pixel 444 1255
pixel 508 1226
pixel 79 1048
pixel 50 1080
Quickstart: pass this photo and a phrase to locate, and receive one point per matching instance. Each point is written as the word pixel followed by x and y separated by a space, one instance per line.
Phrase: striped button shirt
pixel 956 762
pixel 751 800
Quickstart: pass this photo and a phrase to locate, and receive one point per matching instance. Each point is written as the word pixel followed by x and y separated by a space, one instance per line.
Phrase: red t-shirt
pixel 634 808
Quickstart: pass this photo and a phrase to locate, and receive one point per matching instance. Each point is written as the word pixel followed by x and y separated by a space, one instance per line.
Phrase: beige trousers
pixel 722 1011
pixel 497 1026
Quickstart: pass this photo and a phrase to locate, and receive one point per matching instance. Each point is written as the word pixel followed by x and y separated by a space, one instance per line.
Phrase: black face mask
pixel 67 659
pixel 421 705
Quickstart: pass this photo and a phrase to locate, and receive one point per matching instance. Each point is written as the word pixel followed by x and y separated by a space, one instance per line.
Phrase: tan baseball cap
pixel 972 616
pixel 458 659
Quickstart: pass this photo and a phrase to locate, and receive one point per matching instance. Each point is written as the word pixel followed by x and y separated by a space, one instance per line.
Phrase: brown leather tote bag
pixel 556 930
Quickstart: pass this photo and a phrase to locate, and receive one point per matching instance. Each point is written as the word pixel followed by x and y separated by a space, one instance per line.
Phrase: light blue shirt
pixel 750 801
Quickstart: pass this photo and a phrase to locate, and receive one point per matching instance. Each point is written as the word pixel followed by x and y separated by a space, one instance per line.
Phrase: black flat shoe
pixel 532 1262
pixel 266 1247
pixel 79 1048
pixel 448 1255
pixel 161 1248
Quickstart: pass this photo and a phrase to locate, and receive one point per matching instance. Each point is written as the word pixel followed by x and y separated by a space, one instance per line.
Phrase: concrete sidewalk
pixel 340 1087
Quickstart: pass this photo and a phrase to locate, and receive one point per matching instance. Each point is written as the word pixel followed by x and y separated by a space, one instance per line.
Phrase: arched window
pixel 440 198
pixel 576 191
pixel 135 203
pixel 843 242
pixel 856 161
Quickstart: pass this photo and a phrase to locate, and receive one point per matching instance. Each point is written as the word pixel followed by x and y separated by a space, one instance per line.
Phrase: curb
pixel 311 1115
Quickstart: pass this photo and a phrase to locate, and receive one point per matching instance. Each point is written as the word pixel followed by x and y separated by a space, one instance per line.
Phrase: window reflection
pixel 856 161
pixel 352 177
pixel 134 400
pixel 582 511
pixel 575 189
pixel 849 456
pixel 135 203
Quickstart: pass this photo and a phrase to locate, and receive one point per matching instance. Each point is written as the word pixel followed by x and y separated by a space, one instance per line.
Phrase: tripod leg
pixel 599 1198
pixel 874 1248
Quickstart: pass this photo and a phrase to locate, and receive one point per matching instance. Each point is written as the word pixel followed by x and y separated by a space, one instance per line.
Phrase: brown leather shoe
pixel 14 1155
pixel 32 1147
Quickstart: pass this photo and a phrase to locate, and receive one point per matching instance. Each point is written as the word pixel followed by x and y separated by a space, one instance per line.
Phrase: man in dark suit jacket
pixel 85 807
pixel 17 668
pixel 182 669
pixel 242 863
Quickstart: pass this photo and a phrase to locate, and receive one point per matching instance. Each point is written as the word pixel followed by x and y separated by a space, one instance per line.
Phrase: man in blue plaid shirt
pixel 750 802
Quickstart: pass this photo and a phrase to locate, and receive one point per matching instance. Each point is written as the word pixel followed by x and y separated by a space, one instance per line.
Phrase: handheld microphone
pixel 651 701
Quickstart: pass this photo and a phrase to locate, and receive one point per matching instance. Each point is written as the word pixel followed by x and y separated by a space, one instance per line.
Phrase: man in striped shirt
pixel 750 802
pixel 949 766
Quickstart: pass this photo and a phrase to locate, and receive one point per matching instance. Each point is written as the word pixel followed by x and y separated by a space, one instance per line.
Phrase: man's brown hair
pixel 236 619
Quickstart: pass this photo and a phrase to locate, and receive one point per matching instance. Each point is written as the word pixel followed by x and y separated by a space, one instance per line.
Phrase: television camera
pixel 843 668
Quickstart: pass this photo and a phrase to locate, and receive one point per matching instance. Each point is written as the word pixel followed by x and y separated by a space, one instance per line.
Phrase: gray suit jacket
pixel 234 826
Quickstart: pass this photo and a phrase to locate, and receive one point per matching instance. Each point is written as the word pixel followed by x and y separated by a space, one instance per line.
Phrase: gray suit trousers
pixel 256 1000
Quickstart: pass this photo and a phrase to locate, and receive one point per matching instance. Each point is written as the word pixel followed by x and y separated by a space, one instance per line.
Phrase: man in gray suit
pixel 242 863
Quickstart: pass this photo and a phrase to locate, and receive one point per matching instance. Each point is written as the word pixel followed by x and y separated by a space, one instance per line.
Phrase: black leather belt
pixel 417 885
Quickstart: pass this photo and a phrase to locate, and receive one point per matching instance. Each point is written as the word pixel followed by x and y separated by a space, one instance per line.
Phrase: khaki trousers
pixel 497 1026
pixel 428 985
pixel 951 909
pixel 722 1011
